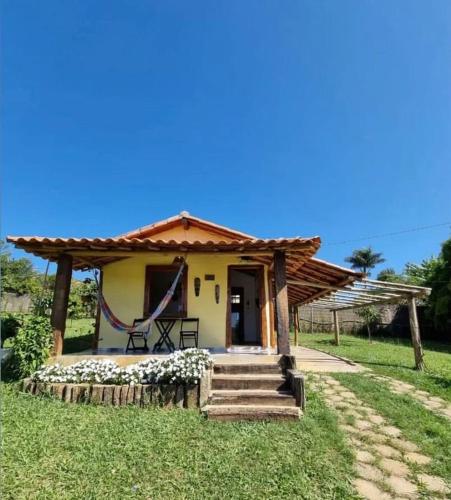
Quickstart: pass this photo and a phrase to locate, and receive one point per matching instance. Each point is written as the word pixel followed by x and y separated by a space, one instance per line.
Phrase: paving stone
pixel 434 484
pixel 421 399
pixel 374 437
pixel 399 387
pixel 349 395
pixel 348 428
pixel 387 451
pixel 401 384
pixel 369 490
pixel 332 381
pixel 404 445
pixel 363 425
pixel 376 419
pixel 422 393
pixel 399 390
pixel 369 472
pixel 335 399
pixel 355 441
pixel 417 458
pixel 402 486
pixel 364 456
pixel 437 400
pixel 447 412
pixel 394 467
pixel 391 431
pixel 343 405
pixel 352 413
pixel 432 405
pixel 368 410
pixel 329 391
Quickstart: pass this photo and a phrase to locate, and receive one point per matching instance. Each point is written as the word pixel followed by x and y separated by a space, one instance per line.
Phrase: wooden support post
pixel 283 326
pixel 296 325
pixel 60 301
pixel 415 333
pixel 311 319
pixel 336 327
pixel 95 339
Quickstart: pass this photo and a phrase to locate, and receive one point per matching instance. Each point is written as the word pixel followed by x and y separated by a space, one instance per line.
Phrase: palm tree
pixel 365 259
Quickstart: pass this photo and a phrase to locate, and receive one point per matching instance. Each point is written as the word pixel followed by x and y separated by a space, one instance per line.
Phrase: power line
pixel 383 235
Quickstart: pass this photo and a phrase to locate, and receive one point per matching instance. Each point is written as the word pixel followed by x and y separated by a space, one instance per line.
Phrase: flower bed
pixel 173 381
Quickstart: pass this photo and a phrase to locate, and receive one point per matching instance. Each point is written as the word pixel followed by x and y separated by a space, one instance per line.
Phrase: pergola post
pixel 415 333
pixel 295 324
pixel 283 326
pixel 60 301
pixel 336 326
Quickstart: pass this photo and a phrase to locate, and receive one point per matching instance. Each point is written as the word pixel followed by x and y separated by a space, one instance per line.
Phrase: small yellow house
pixel 240 287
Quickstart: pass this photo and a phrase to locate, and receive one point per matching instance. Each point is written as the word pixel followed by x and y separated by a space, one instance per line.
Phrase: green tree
pixel 364 259
pixel 389 274
pixel 439 279
pixel 422 274
pixel 370 316
pixel 88 296
pixel 17 275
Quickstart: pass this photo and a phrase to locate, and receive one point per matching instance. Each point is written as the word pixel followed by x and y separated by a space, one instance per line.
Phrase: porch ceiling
pixel 304 276
pixel 308 278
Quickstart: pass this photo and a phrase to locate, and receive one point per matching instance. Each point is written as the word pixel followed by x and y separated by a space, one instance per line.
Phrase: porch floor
pixel 307 360
pixel 312 360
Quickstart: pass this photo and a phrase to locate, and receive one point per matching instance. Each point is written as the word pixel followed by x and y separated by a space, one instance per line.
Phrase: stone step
pixel 235 368
pixel 252 397
pixel 254 412
pixel 247 381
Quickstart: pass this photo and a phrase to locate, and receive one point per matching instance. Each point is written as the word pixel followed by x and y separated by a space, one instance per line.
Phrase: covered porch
pixel 285 265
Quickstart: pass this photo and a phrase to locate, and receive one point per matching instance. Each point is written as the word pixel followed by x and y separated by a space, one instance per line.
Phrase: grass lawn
pixel 56 450
pixel 392 357
pixel 430 432
pixel 78 335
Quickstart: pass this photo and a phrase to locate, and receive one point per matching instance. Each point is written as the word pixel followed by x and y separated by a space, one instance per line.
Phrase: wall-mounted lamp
pixel 217 293
pixel 197 286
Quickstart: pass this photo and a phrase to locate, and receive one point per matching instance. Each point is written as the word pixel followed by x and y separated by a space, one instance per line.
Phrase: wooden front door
pixel 237 314
pixel 241 306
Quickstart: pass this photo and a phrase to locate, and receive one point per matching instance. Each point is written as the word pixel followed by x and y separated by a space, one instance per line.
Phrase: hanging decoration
pixel 197 286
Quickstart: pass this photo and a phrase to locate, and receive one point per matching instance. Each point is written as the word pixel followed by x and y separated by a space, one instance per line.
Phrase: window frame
pixel 148 284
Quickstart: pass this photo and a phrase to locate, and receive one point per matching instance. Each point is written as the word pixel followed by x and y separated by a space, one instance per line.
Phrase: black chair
pixel 138 334
pixel 189 330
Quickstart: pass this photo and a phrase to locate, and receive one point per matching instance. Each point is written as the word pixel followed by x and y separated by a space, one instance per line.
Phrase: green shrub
pixel 9 323
pixel 32 345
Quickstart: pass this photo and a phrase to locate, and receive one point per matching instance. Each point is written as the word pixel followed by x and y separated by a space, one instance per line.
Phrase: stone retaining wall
pixel 162 395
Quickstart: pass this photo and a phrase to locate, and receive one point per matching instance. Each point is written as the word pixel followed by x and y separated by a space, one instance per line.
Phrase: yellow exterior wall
pixel 123 288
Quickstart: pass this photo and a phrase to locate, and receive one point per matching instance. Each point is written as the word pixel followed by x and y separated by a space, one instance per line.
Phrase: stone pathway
pixel 388 466
pixel 435 404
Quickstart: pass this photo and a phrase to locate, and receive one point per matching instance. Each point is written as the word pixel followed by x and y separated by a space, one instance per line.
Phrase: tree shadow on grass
pixel 437 380
pixel 78 344
pixel 331 342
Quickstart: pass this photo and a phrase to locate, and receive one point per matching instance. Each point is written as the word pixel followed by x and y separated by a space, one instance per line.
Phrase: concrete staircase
pixel 250 392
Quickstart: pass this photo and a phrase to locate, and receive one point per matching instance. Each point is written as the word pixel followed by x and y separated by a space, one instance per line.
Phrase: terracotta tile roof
pixel 302 268
pixel 36 242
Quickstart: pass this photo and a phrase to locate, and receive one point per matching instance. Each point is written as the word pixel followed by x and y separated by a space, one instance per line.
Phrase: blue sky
pixel 328 118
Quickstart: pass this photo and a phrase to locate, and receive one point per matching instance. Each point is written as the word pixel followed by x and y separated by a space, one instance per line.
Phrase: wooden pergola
pixel 367 292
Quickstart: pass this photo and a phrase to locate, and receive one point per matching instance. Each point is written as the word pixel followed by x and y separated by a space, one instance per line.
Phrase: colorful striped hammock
pixel 145 325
